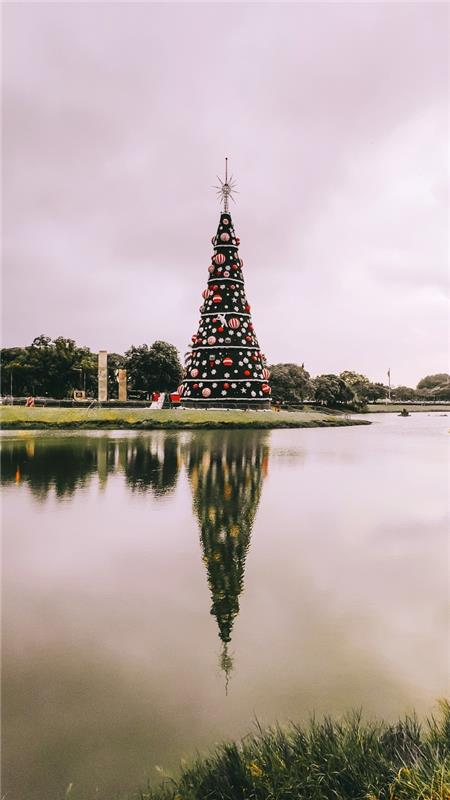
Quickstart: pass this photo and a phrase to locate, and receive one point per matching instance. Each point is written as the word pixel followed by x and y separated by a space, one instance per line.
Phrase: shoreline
pixel 20 418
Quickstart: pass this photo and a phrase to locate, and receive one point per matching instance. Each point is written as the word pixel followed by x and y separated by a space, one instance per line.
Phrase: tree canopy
pixel 290 382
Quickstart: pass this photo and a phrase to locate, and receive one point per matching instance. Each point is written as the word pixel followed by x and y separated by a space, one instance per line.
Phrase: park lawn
pixel 395 408
pixel 14 417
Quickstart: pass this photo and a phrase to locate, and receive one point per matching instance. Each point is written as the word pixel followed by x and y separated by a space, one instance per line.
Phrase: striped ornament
pixel 205 293
pixel 217 298
pixel 219 258
pixel 234 323
pixel 266 373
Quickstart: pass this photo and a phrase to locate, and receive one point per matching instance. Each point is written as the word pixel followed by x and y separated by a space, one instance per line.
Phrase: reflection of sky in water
pixel 111 655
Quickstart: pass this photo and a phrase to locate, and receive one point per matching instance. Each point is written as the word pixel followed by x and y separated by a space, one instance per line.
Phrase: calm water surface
pixel 162 590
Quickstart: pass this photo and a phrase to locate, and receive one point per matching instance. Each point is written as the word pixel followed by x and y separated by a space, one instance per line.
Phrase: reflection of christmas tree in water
pixel 226 472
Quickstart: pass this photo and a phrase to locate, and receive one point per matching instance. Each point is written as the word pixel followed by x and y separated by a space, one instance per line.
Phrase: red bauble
pixel 217 298
pixel 247 307
pixel 234 266
pixel 265 388
pixel 211 269
pixel 226 386
pixel 238 241
pixel 247 372
pixel 195 386
pixel 220 329
pixel 215 287
pixel 227 362
pixel 248 338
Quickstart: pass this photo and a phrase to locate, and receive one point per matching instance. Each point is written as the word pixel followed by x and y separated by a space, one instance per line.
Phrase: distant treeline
pixel 55 368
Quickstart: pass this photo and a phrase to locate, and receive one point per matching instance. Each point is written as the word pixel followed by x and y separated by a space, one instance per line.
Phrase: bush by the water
pixel 327 760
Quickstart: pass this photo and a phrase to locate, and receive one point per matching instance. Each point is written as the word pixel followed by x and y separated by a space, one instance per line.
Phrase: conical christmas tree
pixel 226 472
pixel 225 366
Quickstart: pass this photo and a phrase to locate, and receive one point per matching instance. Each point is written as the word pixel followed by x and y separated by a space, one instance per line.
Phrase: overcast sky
pixel 117 118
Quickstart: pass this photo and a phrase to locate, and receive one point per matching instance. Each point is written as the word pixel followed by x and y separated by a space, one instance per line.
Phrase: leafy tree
pixel 290 382
pixel 434 381
pixel 332 390
pixel 364 389
pixel 155 368
pixel 403 393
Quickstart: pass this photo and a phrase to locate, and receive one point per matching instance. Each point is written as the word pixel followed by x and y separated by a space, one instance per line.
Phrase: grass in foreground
pixel 328 760
pixel 57 418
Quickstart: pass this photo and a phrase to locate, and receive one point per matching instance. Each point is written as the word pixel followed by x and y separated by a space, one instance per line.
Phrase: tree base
pixel 246 405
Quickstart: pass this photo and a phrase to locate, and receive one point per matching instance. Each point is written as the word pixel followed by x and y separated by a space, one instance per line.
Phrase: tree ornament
pixel 227 362
pixel 238 241
pixel 211 340
pixel 220 329
pixel 226 221
pixel 219 258
pixel 227 340
pixel 266 388
pixel 247 372
pixel 217 298
pixel 205 293
pixel 180 389
pixel 234 266
pixel 226 386
pixel 211 269
pixel 224 237
pixel 194 372
pixel 234 323
pixel 266 373
pixel 206 391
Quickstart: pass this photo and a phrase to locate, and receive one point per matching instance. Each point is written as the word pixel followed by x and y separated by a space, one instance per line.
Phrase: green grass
pixel 328 760
pixel 374 408
pixel 60 418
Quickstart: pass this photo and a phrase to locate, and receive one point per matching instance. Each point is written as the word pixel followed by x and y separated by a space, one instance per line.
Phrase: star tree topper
pixel 226 188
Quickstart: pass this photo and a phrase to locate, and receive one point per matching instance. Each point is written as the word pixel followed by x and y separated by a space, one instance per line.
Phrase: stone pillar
pixel 102 376
pixel 122 378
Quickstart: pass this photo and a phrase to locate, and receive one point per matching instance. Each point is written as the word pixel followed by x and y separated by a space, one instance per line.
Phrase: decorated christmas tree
pixel 225 366
pixel 226 472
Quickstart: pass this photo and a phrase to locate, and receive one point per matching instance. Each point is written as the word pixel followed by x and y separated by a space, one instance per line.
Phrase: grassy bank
pixel 12 417
pixel 325 761
pixel 392 408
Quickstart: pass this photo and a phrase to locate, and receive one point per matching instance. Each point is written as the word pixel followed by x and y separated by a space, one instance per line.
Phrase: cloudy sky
pixel 117 118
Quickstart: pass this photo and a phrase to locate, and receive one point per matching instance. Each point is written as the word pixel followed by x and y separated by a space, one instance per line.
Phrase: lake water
pixel 164 590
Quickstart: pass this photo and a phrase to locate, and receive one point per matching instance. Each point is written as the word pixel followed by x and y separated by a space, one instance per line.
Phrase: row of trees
pixel 54 368
pixel 291 383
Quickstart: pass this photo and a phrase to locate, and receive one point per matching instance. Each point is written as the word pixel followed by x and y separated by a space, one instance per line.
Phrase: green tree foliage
pixel 403 393
pixel 155 368
pixel 332 390
pixel 434 387
pixel 290 382
pixel 434 381
pixel 365 391
pixel 47 368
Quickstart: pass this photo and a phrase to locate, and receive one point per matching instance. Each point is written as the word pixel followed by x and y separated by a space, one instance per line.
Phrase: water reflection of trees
pixel 68 464
pixel 226 471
